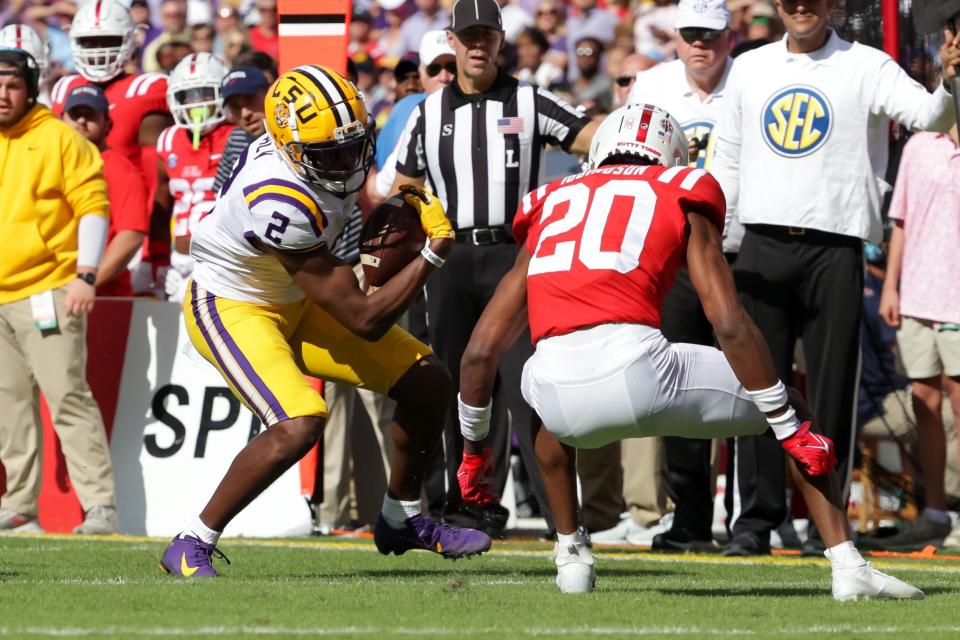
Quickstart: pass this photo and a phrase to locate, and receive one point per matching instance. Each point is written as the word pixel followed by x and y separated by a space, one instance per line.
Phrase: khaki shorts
pixel 927 352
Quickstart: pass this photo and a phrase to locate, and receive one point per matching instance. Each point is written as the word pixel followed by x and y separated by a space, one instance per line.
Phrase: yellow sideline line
pixel 332 545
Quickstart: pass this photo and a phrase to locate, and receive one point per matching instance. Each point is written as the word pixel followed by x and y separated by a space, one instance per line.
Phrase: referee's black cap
pixel 472 13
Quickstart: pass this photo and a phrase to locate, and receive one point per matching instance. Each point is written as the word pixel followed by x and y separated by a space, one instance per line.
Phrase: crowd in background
pixel 583 51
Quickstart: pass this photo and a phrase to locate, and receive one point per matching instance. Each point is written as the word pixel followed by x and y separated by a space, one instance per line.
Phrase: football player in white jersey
pixel 269 302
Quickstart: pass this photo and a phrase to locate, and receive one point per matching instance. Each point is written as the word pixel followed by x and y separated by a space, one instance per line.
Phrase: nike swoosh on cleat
pixel 439 548
pixel 186 569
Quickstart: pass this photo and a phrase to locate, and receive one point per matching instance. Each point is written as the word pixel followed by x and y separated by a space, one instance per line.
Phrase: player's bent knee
pixel 296 436
pixel 426 383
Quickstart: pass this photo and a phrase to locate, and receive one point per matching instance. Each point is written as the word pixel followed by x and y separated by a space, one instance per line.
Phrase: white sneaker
pixel 12 521
pixel 616 534
pixel 865 582
pixel 953 540
pixel 575 570
pixel 644 535
pixel 99 520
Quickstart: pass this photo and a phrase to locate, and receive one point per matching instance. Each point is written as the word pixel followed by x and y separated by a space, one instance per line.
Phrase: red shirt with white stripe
pixel 606 244
pixel 191 172
pixel 131 98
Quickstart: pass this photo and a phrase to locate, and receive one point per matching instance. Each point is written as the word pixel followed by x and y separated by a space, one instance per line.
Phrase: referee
pixel 479 142
pixel 801 148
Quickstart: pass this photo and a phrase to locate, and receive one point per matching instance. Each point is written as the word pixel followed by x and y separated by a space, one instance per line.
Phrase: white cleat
pixel 865 582
pixel 575 570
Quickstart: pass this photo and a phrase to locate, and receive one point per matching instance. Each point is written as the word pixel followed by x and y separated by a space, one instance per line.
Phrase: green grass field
pixel 69 587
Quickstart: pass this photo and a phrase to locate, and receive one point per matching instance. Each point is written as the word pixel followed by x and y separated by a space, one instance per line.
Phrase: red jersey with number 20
pixel 606 244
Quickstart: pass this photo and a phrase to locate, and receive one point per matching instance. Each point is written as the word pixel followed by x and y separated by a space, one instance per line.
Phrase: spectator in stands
pixel 88 111
pixel 173 22
pixel 146 32
pixel 589 21
pixel 549 19
pixel 361 34
pixel 235 41
pixel 430 16
pixel 201 38
pixel 653 29
pixel 55 218
pixel 921 296
pixel 515 19
pixel 625 78
pixel 532 66
pixel 258 60
pixel 263 35
pixel 592 87
pixel 391 42
pixel 169 54
pixel 243 92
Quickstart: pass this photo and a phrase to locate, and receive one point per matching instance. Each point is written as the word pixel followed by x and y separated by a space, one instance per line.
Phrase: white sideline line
pixel 79 632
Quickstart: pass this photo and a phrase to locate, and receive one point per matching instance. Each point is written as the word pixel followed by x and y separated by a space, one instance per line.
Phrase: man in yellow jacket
pixel 54 217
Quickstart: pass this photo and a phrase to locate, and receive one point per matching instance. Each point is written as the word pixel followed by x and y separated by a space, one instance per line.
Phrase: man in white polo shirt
pixel 801 145
pixel 691 89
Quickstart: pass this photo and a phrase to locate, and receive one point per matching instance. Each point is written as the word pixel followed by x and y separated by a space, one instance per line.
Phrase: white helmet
pixel 25 37
pixel 193 92
pixel 643 130
pixel 102 39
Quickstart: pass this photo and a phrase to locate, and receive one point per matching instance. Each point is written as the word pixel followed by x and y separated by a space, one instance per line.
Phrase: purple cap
pixel 89 95
pixel 243 81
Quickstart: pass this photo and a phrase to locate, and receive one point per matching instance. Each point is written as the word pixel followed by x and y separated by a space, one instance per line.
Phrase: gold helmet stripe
pixel 332 92
pixel 345 89
pixel 309 82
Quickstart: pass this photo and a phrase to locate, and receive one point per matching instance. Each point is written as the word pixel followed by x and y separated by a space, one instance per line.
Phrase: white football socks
pixel 845 556
pixel 396 512
pixel 202 531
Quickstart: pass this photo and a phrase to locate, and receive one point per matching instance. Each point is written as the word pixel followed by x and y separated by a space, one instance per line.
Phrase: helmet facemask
pixel 101 57
pixel 198 108
pixel 338 166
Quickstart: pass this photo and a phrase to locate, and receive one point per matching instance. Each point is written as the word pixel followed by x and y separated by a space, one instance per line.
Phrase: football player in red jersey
pixel 599 250
pixel 189 155
pixel 102 40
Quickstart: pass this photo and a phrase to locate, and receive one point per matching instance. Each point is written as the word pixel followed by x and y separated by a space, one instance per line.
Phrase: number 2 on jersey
pixel 597 211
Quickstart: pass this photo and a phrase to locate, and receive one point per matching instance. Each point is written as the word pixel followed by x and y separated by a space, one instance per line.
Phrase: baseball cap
pixel 433 45
pixel 87 96
pixel 409 62
pixel 702 14
pixel 471 13
pixel 243 81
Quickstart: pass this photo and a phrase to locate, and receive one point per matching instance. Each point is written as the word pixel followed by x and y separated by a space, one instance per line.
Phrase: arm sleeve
pixel 410 158
pixel 83 185
pixel 91 240
pixel 900 97
pixel 557 121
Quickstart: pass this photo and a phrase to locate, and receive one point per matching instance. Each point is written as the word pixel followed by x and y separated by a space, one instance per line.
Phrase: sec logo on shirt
pixel 797 121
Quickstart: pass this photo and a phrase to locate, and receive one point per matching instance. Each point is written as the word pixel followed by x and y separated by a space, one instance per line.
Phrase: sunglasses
pixel 547 12
pixel 585 52
pixel 693 34
pixel 434 68
pixel 624 81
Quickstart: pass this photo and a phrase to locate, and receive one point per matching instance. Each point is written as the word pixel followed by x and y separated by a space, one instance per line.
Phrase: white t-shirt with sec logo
pixel 802 138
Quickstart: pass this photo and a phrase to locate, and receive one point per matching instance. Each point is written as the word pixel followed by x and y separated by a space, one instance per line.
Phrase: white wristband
pixel 432 258
pixel 474 421
pixel 771 399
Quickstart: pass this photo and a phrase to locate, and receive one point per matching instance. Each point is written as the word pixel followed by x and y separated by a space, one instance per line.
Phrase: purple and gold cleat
pixel 189 557
pixel 423 533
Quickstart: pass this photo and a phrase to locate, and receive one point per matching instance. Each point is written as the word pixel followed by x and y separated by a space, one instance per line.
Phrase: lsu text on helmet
pixel 193 92
pixel 102 38
pixel 319 123
pixel 642 130
pixel 22 36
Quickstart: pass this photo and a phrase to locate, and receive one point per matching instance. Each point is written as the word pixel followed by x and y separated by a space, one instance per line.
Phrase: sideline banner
pixel 174 429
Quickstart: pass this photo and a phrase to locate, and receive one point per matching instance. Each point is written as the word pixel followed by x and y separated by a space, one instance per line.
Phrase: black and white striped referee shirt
pixel 482 153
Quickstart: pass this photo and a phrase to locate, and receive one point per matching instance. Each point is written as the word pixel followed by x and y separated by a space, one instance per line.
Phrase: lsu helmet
pixel 642 130
pixel 25 37
pixel 102 39
pixel 319 123
pixel 193 92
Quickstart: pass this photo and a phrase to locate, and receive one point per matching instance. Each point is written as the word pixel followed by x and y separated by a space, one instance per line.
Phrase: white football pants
pixel 614 381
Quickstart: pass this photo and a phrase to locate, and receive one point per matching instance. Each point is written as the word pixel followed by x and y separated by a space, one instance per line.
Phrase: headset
pixel 25 66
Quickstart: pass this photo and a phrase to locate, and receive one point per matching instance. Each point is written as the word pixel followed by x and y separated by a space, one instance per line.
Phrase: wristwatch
pixel 89 278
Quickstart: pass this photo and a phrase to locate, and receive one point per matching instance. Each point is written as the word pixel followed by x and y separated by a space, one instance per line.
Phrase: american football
pixel 391 237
